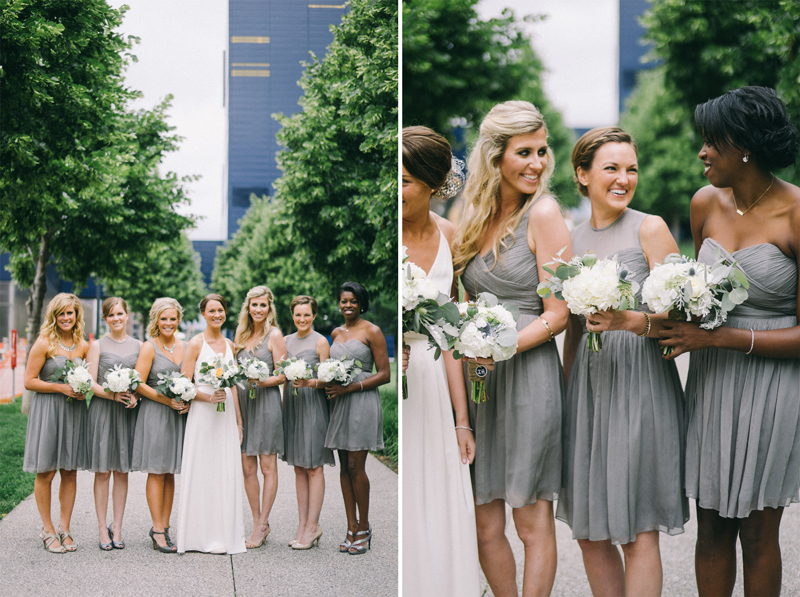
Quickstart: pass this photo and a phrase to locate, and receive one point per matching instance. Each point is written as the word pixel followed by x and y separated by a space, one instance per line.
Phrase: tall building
pixel 631 49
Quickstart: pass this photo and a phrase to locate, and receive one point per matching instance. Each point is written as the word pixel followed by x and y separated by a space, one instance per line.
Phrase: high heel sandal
pixel 66 535
pixel 264 539
pixel 166 549
pixel 167 537
pixel 316 539
pixel 344 546
pixel 47 541
pixel 116 544
pixel 358 547
pixel 107 546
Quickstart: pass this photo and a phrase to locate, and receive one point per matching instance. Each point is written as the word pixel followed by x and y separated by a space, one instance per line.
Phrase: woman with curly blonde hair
pixel 57 423
pixel 512 227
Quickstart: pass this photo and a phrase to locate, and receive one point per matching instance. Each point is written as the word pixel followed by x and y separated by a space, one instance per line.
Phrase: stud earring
pixel 746 158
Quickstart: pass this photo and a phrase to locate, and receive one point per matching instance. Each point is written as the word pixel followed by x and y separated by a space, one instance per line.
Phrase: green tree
pixel 79 183
pixel 338 191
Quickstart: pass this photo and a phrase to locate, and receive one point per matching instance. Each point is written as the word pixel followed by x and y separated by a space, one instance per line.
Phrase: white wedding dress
pixel 210 517
pixel 440 549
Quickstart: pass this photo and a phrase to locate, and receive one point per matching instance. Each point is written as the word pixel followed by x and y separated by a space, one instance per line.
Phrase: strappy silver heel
pixel 360 546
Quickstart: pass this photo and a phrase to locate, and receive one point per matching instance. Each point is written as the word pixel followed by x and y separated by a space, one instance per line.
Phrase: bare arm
pixel 458 398
pixel 277 346
pixel 144 363
pixel 34 366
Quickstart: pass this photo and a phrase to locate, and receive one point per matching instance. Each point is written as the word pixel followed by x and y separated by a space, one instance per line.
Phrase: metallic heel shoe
pixel 65 535
pixel 47 541
pixel 156 546
pixel 114 544
pixel 167 537
pixel 360 546
pixel 316 539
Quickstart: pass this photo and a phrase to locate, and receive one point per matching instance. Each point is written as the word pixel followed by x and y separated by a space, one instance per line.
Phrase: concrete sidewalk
pixel 275 569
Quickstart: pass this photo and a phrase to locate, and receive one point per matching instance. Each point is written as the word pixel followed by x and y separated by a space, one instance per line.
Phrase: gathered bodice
pixel 51 365
pixel 354 349
pixel 261 350
pixel 304 348
pixel 114 353
pixel 161 364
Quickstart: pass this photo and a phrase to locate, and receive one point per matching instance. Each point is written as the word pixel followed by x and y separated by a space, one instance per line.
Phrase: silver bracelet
pixel 362 385
pixel 461 427
pixel 752 341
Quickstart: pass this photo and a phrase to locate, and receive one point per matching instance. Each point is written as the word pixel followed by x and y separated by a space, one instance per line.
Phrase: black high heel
pixel 114 544
pixel 166 549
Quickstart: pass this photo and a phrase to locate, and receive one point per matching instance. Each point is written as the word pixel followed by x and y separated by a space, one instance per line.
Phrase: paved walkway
pixel 272 570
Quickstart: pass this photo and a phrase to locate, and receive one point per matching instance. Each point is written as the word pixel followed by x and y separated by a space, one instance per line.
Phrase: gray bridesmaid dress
pixel 356 418
pixel 306 416
pixel 518 428
pixel 261 417
pixel 158 440
pixel 56 436
pixel 111 424
pixel 623 422
pixel 743 411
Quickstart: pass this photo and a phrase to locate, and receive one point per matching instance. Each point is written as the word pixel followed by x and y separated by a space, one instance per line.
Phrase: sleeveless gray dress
pixel 56 436
pixel 262 418
pixel 518 428
pixel 111 424
pixel 743 411
pixel 306 416
pixel 356 418
pixel 158 440
pixel 623 423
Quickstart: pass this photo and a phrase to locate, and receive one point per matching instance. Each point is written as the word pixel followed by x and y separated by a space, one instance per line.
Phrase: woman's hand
pixel 684 336
pixel 218 396
pixel 606 321
pixel 466 443
pixel 179 405
pixel 406 355
pixel 126 398
pixel 304 383
pixel 67 390
pixel 335 390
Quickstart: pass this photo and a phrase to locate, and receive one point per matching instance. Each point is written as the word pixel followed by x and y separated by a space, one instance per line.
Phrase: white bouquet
pixel 176 386
pixel 293 369
pixel 220 374
pixel 253 368
pixel 76 374
pixel 342 370
pixel 590 285
pixel 688 288
pixel 487 329
pixel 122 379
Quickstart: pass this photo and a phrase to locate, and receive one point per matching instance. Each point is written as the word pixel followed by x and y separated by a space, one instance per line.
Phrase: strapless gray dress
pixel 56 436
pixel 306 416
pixel 357 418
pixel 623 424
pixel 518 428
pixel 158 440
pixel 743 411
pixel 261 417
pixel 111 424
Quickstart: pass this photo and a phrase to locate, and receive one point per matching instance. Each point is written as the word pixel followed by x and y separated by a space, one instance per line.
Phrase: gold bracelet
pixel 646 325
pixel 547 326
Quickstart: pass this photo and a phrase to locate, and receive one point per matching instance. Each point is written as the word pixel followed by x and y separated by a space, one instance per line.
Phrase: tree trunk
pixel 34 304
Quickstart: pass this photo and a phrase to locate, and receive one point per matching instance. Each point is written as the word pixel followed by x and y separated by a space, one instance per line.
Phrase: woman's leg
pixel 42 490
pixel 269 468
pixel 356 464
pixel 101 481
pixel 537 529
pixel 167 499
pixel 761 551
pixel 348 494
pixel 604 568
pixel 251 487
pixel 301 487
pixel 119 498
pixel 316 493
pixel 66 498
pixel 494 550
pixel 154 491
pixel 715 553
pixel 643 573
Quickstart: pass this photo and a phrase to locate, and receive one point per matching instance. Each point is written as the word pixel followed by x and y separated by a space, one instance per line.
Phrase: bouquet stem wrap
pixel 477 375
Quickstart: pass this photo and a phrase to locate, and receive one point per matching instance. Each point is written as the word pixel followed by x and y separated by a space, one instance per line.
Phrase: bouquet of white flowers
pixel 426 311
pixel 343 370
pixel 76 374
pixel 220 374
pixel 253 368
pixel 176 386
pixel 293 368
pixel 590 285
pixel 688 288
pixel 486 329
pixel 122 379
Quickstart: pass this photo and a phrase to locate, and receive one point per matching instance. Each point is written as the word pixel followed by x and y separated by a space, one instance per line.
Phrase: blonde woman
pixel 511 229
pixel 57 423
pixel 158 441
pixel 112 421
pixel 258 335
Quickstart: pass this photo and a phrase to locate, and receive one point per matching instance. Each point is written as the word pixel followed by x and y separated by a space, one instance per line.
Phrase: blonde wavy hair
pixel 482 191
pixel 159 306
pixel 49 328
pixel 246 328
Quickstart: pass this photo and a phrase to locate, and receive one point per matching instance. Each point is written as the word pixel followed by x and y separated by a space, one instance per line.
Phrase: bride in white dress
pixel 440 550
pixel 210 516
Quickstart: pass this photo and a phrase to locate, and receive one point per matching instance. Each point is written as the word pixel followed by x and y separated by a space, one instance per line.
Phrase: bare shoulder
pixel 322 341
pixel 654 225
pixel 41 346
pixel 706 197
pixel 446 226
pixel 230 343
pixel 195 343
pixel 335 333
pixel 147 349
pixel 547 209
pixel 275 332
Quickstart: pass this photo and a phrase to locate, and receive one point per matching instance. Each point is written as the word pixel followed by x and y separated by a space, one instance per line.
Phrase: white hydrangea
pixel 121 379
pixel 664 288
pixel 255 369
pixel 489 332
pixel 184 388
pixel 594 289
pixel 331 370
pixel 298 369
pixel 416 286
pixel 79 379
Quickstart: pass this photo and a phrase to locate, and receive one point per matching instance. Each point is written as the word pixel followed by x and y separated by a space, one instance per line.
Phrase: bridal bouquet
pixel 343 370
pixel 688 288
pixel 589 285
pixel 176 386
pixel 253 368
pixel 76 374
pixel 220 374
pixel 122 379
pixel 293 368
pixel 486 329
pixel 426 311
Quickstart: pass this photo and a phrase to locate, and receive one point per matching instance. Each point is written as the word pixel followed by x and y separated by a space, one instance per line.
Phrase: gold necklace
pixel 739 211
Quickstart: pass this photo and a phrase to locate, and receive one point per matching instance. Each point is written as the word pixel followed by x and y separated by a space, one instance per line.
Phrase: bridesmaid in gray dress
pixel 57 421
pixel 257 334
pixel 623 421
pixel 305 423
pixel 158 440
pixel 742 407
pixel 513 227
pixel 356 424
pixel 112 420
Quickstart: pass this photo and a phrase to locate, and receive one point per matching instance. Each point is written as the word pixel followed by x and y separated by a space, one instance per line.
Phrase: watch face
pixel 481 371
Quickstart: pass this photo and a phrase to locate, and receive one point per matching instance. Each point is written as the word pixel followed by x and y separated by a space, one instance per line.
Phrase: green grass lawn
pixel 390 431
pixel 14 484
